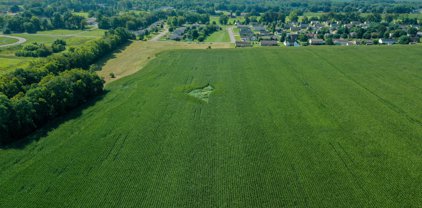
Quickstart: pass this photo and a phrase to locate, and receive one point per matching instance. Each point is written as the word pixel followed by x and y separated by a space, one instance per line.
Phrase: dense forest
pixel 31 97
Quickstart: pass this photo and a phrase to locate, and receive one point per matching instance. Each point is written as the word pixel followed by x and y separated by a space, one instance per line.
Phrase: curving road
pixel 20 41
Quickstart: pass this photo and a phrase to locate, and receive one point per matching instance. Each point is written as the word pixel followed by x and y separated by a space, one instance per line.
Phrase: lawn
pixel 219 36
pixel 10 62
pixel 231 21
pixel 283 127
pixel 5 41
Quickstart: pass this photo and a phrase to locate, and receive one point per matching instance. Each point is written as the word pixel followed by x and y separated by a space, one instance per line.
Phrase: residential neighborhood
pixel 315 33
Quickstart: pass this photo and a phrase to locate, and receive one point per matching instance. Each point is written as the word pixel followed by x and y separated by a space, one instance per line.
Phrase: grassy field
pixel 231 21
pixel 341 129
pixel 5 41
pixel 74 38
pixel 219 36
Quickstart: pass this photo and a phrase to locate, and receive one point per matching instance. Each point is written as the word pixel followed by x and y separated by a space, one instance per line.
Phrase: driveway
pixel 160 35
pixel 231 34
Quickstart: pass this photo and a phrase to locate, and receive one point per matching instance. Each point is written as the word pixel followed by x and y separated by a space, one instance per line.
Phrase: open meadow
pixel 73 38
pixel 257 127
pixel 5 41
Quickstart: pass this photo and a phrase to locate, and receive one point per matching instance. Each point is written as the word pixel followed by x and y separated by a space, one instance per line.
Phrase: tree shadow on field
pixel 103 61
pixel 44 130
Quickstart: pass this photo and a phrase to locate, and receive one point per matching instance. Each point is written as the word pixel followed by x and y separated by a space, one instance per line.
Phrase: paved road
pixel 20 41
pixel 160 35
pixel 231 34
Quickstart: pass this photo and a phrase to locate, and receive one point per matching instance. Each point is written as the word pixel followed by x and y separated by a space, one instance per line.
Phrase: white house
pixel 386 41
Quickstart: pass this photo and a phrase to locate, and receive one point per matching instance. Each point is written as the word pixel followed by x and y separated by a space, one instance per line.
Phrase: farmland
pixel 298 127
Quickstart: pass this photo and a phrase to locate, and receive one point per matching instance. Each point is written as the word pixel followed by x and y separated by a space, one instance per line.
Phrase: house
pixel 264 33
pixel 178 34
pixel 294 29
pixel 341 42
pixel 357 42
pixel 242 26
pixel 334 25
pixel 386 41
pixel 303 26
pixel 369 42
pixel 316 42
pixel 353 23
pixel 269 43
pixel 291 40
pixel 91 21
pixel 242 44
pixel 259 28
pixel 270 37
pixel 176 37
pixel 290 43
pixel 314 22
pixel 246 33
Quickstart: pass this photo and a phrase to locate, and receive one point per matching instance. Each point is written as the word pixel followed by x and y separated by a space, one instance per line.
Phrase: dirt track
pixel 20 41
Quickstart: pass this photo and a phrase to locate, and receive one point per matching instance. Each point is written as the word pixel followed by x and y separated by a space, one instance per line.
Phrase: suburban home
pixel 294 29
pixel 91 21
pixel 242 44
pixel 176 37
pixel 264 33
pixel 369 42
pixel 357 42
pixel 259 28
pixel 246 33
pixel 290 43
pixel 341 42
pixel 386 41
pixel 242 26
pixel 269 43
pixel 314 22
pixel 304 26
pixel 316 42
pixel 270 37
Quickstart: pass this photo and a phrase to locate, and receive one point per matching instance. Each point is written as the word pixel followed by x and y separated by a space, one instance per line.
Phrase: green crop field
pixel 279 127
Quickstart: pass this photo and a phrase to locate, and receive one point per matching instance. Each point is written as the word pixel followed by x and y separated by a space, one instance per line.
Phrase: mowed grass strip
pixel 219 36
pixel 5 40
pixel 302 127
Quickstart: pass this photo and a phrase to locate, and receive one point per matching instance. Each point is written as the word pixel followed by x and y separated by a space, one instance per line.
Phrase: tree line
pixel 27 22
pixel 41 50
pixel 31 97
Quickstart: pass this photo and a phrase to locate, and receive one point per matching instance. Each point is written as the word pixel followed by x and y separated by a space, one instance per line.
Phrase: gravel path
pixel 20 41
pixel 231 34
pixel 160 35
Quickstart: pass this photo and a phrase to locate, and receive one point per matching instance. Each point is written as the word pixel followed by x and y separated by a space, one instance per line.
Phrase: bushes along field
pixel 30 97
